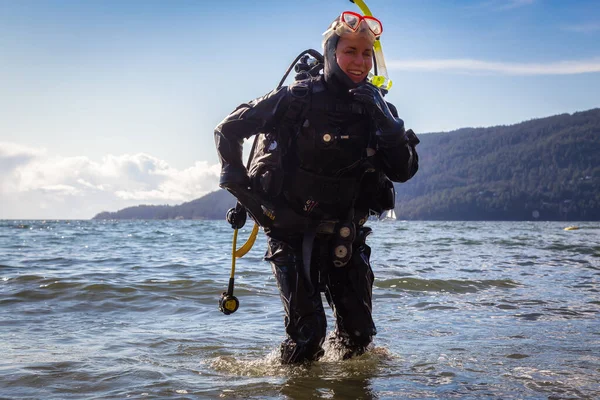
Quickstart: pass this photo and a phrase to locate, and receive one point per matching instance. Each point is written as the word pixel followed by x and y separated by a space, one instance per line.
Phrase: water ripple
pixel 128 309
pixel 439 285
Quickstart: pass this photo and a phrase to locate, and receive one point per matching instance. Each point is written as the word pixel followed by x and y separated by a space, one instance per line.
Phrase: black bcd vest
pixel 316 161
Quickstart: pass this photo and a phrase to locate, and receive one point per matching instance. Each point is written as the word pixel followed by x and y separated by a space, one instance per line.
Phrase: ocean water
pixel 128 309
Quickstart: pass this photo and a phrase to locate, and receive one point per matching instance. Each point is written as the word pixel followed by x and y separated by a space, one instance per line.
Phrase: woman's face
pixel 354 55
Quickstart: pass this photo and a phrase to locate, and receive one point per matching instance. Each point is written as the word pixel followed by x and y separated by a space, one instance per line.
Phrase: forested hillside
pixel 540 169
pixel 545 169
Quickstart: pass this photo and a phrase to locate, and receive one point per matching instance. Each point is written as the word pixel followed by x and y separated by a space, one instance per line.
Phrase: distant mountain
pixel 211 206
pixel 546 169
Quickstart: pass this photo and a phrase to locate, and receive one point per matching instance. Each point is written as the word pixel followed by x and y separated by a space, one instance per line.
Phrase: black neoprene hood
pixel 333 74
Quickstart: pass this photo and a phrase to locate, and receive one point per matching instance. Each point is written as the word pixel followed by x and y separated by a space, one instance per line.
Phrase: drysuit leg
pixel 305 320
pixel 349 293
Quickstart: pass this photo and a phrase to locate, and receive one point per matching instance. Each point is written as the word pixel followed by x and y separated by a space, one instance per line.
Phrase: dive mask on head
pixel 350 22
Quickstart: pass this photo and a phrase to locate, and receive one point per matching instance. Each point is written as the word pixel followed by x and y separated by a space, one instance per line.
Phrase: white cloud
pixel 510 4
pixel 34 184
pixel 502 68
pixel 12 154
pixel 501 5
pixel 583 28
pixel 61 190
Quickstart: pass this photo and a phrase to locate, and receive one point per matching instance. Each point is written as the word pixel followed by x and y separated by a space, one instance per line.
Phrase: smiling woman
pixel 354 50
pixel 330 147
pixel 354 55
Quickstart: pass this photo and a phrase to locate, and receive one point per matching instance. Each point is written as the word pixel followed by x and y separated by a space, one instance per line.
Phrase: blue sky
pixel 107 104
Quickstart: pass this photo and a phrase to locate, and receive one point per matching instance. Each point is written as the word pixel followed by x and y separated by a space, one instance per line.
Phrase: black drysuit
pixel 333 154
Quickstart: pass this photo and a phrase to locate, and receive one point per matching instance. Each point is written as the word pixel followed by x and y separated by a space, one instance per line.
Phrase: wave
pixel 576 248
pixel 440 285
pixel 101 293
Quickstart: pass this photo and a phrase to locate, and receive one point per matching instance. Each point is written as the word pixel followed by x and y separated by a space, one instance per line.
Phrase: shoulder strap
pixel 300 92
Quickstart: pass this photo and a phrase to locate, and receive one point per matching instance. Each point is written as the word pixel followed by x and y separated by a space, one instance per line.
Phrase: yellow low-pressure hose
pixel 249 243
pixel 241 252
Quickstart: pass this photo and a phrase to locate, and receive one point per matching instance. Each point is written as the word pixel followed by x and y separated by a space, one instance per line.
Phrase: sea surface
pixel 128 309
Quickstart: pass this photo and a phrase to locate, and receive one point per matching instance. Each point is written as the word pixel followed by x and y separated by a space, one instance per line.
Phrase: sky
pixel 108 104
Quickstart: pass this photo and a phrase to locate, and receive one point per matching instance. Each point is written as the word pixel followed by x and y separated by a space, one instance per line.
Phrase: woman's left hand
pixel 390 128
pixel 372 98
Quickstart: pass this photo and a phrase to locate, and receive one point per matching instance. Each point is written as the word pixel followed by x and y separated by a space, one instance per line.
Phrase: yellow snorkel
pixel 380 78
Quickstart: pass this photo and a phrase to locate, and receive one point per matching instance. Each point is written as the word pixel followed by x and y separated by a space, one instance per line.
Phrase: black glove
pixel 390 132
pixel 413 140
pixel 234 178
pixel 248 201
pixel 236 216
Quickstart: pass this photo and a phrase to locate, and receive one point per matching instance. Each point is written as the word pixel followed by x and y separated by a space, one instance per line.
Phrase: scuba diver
pixel 328 148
